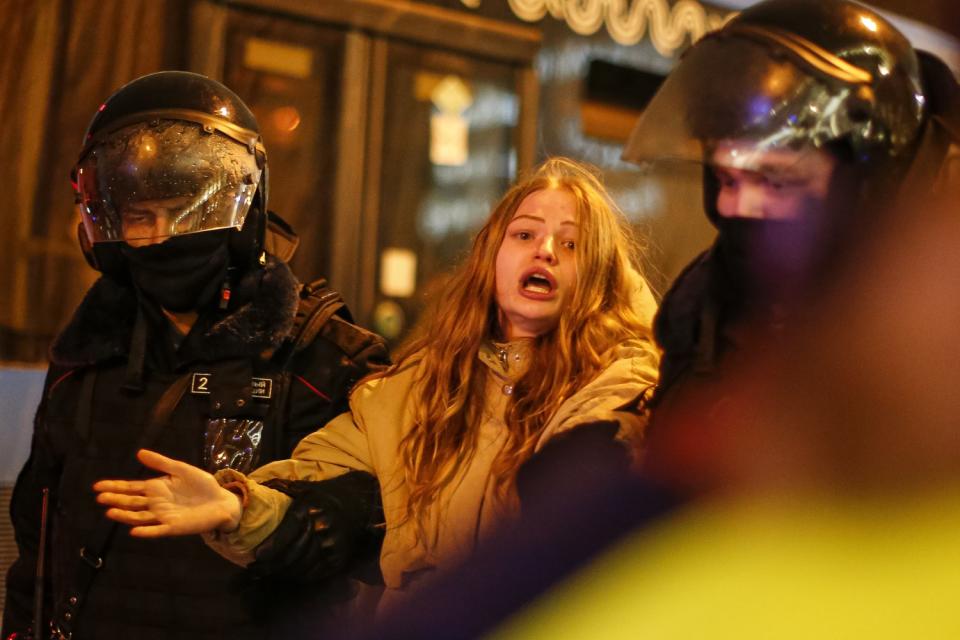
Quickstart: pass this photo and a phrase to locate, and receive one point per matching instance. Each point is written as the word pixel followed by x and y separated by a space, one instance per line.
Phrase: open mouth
pixel 538 283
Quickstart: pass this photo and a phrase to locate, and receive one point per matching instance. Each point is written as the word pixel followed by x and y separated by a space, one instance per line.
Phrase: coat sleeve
pixel 339 447
pixel 613 396
pixel 42 470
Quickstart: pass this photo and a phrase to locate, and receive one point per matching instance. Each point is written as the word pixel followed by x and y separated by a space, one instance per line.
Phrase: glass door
pixel 289 72
pixel 448 151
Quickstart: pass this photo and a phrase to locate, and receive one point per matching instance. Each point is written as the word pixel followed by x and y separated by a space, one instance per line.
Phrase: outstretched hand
pixel 184 501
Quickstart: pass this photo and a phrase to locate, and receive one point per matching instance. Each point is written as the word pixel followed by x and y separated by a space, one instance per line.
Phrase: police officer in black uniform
pixel 195 342
pixel 806 119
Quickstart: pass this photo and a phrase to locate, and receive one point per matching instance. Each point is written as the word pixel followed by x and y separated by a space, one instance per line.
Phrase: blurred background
pixel 391 128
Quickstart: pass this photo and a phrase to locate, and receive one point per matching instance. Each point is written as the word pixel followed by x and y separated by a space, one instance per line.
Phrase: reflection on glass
pixel 434 199
pixel 288 72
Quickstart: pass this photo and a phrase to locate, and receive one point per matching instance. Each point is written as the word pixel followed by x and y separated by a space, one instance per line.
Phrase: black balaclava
pixel 182 273
pixel 763 258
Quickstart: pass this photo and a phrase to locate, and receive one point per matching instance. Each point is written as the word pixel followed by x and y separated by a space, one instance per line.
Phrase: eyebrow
pixel 782 171
pixel 539 219
pixel 778 172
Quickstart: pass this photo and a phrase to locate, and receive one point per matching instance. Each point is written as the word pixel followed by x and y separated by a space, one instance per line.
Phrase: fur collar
pixel 102 325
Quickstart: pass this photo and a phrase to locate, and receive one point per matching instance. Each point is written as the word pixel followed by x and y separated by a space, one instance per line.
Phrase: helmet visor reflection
pixel 736 89
pixel 156 180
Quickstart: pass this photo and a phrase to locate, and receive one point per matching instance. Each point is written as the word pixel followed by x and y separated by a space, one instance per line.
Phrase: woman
pixel 544 328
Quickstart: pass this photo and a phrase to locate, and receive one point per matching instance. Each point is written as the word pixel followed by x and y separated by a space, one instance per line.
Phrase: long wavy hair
pixel 449 390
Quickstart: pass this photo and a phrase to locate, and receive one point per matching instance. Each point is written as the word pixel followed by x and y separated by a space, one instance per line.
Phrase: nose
pixel 546 250
pixel 147 229
pixel 747 201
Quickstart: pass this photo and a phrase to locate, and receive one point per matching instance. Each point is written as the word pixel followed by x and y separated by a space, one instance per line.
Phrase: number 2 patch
pixel 200 384
pixel 261 388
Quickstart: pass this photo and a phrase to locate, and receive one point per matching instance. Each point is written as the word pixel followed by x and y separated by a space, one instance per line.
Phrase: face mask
pixel 182 273
pixel 765 260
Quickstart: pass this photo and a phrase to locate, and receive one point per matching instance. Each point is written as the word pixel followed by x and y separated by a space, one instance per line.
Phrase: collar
pixel 102 326
pixel 507 360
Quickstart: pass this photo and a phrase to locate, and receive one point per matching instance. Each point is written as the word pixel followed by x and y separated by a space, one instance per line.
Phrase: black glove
pixel 328 525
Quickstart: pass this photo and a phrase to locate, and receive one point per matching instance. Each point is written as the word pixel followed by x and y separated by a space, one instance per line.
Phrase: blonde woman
pixel 543 329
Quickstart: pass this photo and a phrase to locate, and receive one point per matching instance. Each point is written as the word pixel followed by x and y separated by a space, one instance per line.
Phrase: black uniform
pixel 88 427
pixel 172 188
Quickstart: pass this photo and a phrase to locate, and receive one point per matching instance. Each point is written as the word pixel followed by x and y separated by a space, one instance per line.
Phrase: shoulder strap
pixel 91 554
pixel 318 303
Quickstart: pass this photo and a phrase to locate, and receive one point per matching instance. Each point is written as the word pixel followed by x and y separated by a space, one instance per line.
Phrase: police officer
pixel 195 341
pixel 806 119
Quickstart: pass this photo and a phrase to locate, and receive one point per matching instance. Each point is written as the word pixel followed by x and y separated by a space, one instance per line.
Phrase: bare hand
pixel 185 501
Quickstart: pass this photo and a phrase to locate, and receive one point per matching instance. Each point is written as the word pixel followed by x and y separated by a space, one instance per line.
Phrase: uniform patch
pixel 260 388
pixel 200 384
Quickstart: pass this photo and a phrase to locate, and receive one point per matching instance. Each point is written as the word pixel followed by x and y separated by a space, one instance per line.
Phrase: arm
pixel 328 524
pixel 235 511
pixel 586 455
pixel 324 522
pixel 336 449
pixel 614 396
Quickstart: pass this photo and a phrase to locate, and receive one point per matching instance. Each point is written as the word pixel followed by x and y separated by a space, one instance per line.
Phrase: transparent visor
pixel 730 102
pixel 153 181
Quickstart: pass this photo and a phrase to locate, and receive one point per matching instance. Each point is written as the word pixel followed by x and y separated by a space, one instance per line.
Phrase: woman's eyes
pixel 528 235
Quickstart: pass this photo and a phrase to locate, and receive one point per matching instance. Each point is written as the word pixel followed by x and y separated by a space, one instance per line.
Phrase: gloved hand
pixel 328 525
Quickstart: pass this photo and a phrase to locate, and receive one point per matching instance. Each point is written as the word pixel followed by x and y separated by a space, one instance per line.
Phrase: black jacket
pixel 238 364
pixel 703 326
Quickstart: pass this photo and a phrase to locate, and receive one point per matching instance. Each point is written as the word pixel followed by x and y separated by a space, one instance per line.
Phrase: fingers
pixel 132 517
pixel 153 531
pixel 161 463
pixel 120 486
pixel 132 502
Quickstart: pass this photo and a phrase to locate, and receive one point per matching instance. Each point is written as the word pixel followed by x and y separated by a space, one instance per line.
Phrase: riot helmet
pixel 790 76
pixel 171 154
pixel 800 117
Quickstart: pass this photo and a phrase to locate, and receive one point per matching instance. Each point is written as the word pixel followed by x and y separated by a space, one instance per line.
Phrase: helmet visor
pixel 735 90
pixel 150 181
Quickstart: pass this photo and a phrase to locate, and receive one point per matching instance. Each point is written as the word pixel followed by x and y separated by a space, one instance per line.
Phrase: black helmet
pixel 790 74
pixel 188 147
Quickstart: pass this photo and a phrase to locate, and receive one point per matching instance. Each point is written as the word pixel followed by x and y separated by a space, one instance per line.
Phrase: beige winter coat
pixel 368 439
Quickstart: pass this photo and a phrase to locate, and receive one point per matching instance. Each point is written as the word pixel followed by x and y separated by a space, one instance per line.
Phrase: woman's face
pixel 536 268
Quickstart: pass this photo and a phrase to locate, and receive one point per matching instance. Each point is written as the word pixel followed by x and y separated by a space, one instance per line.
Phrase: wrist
pixel 233 501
